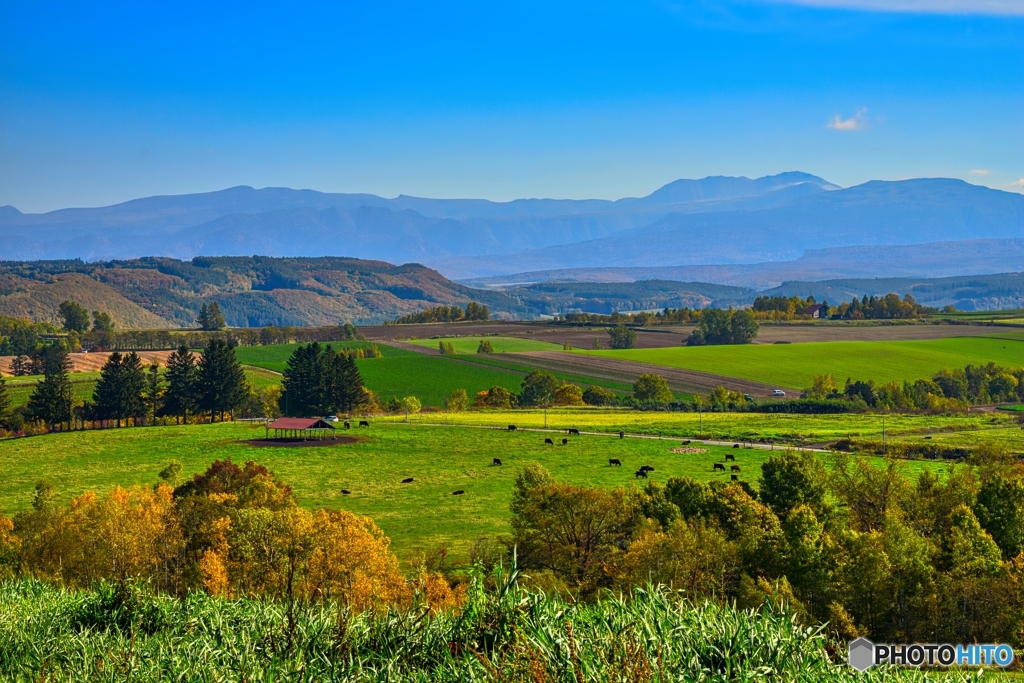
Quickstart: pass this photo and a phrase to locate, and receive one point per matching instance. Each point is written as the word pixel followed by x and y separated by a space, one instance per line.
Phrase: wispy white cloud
pixel 980 171
pixel 1019 183
pixel 1005 7
pixel 855 122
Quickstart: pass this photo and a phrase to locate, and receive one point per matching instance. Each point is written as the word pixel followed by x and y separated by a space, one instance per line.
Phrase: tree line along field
pixel 424 515
pixel 84 383
pixel 499 344
pixel 793 366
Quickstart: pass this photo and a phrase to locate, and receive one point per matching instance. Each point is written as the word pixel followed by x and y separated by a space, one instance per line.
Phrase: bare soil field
pixel 93 362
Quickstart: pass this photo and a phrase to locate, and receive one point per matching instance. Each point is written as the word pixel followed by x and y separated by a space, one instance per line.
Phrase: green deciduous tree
pixel 457 402
pixel 74 316
pixel 538 389
pixel 598 396
pixel 793 478
pixel 102 322
pixel 651 387
pixel 485 347
pixel 495 397
pixel 622 337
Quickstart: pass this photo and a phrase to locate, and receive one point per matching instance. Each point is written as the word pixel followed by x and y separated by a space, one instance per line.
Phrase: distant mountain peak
pixel 9 211
pixel 717 188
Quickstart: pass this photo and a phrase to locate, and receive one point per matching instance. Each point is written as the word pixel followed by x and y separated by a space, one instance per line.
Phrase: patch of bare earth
pixel 93 362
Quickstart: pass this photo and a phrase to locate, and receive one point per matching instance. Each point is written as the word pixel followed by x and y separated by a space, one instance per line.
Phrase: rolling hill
pixel 251 291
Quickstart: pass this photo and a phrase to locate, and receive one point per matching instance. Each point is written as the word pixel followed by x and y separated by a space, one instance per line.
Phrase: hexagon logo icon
pixel 862 654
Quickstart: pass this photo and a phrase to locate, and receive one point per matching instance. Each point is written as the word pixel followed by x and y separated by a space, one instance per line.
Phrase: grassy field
pixel 419 517
pixel 20 388
pixel 793 366
pixel 400 372
pixel 803 430
pixel 275 356
pixel 500 344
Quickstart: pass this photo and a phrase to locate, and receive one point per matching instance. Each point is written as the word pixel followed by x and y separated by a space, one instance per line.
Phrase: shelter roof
pixel 299 423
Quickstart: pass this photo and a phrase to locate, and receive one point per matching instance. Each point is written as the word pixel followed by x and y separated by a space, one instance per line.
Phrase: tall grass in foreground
pixel 125 633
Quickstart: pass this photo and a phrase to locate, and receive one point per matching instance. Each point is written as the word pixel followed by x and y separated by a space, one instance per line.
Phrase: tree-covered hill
pixel 251 291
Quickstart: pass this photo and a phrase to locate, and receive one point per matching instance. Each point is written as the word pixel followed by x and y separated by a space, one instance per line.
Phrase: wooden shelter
pixel 299 428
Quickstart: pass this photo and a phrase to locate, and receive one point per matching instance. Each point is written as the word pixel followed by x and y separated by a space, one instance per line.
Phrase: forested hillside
pixel 251 291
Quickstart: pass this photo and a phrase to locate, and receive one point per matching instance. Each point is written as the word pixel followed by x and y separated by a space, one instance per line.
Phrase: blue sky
pixel 103 102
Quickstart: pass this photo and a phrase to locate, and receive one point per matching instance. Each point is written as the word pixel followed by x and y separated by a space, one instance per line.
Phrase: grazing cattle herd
pixel 612 462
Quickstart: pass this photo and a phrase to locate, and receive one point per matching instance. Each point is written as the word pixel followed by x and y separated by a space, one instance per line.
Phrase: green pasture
pixel 20 388
pixel 275 356
pixel 400 372
pixel 432 379
pixel 499 344
pixel 520 364
pixel 779 428
pixel 793 366
pixel 418 517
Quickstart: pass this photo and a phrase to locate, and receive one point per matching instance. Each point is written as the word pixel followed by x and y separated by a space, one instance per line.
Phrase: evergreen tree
pixel 119 392
pixel 181 398
pixel 320 381
pixel 154 390
pixel 302 389
pixel 5 401
pixel 222 386
pixel 210 317
pixel 52 398
pixel 204 316
pixel 346 390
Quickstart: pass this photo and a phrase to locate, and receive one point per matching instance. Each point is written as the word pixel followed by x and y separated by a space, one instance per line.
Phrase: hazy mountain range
pixel 749 234
pixel 284 222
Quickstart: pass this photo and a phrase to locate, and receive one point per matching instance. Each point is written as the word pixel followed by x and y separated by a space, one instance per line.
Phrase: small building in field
pixel 815 311
pixel 299 428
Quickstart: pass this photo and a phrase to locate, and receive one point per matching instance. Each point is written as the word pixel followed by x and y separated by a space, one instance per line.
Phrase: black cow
pixel 512 428
pixel 345 492
pixel 347 425
pixel 735 445
pixel 734 468
pixel 549 441
pixel 407 480
pixel 718 466
pixel 647 468
pixel 614 461
pixel 730 456
pixel 573 430
pixel 622 435
pixel 364 423
pixel 496 461
pixel 734 477
pixel 458 493
pixel 640 474
pixel 565 442
pixel 686 443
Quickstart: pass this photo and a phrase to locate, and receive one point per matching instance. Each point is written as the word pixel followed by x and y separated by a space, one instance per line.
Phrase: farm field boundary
pixel 793 366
